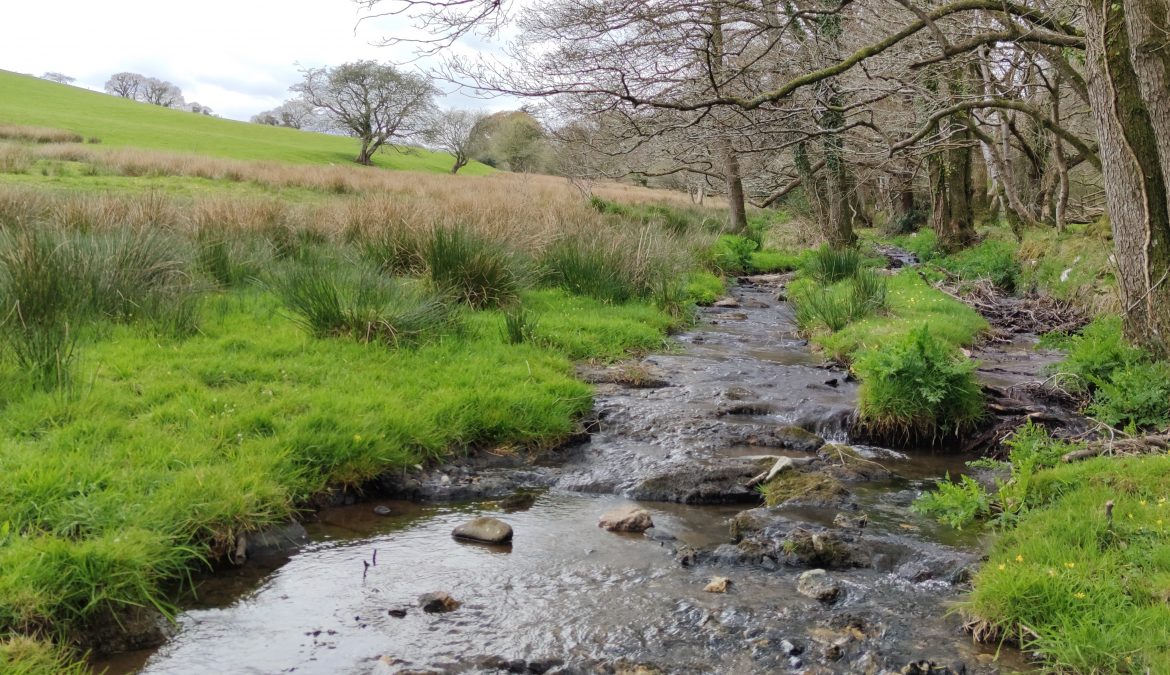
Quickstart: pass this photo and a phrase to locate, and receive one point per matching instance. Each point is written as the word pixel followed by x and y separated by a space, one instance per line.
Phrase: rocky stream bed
pixel 687 436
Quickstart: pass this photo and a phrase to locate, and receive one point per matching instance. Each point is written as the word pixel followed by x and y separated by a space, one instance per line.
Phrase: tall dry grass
pixel 31 134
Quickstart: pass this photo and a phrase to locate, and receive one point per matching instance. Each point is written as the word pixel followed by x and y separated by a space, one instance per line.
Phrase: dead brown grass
pixel 30 134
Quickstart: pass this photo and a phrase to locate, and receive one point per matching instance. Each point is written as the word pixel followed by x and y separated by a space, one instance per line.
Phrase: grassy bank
pixel 1079 570
pixel 177 369
pixel 119 122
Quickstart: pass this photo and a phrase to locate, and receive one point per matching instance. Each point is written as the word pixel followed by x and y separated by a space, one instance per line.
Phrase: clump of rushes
pixel 395 250
pixel 475 270
pixel 918 388
pixel 519 325
pixel 828 265
pixel 223 258
pixel 587 268
pixel 42 296
pixel 837 306
pixel 331 300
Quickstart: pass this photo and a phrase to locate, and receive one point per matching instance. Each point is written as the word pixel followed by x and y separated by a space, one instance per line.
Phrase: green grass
pixel 911 303
pixel 704 288
pixel 770 261
pixel 1087 595
pixel 26 100
pixel 170 448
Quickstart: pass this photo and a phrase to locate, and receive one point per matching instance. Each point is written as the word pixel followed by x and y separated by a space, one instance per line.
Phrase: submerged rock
pixel 818 585
pixel 702 482
pixel 521 500
pixel 717 585
pixel 854 520
pixel 485 530
pixel 437 602
pixel 626 519
pixel 382 510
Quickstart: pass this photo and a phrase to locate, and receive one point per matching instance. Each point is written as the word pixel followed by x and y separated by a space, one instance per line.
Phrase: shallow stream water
pixel 567 596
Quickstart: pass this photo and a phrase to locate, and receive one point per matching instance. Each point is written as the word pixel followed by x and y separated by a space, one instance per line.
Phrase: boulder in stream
pixel 626 519
pixel 818 585
pixel 484 530
pixel 717 585
pixel 437 602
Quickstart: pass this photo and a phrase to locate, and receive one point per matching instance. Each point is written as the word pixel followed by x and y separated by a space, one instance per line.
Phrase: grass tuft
pixel 919 387
pixel 476 271
pixel 331 301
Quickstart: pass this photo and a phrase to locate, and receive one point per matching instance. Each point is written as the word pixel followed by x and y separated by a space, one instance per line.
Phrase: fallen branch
pixel 1138 445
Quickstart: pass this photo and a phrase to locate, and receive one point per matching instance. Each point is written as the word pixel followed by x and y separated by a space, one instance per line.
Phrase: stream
pixel 681 434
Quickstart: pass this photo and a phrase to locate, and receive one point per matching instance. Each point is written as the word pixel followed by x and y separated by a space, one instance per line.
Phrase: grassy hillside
pixel 28 100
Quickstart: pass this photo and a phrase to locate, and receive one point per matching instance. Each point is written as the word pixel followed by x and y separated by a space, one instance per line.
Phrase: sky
pixel 237 56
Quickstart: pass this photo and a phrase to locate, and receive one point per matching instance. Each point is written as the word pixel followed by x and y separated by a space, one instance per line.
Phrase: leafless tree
pixel 1038 99
pixel 295 113
pixel 161 93
pixel 59 78
pixel 458 132
pixel 376 103
pixel 125 84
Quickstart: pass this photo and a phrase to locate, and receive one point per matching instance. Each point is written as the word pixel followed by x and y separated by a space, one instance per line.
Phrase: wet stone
pixel 437 602
pixel 818 585
pixel 726 302
pixel 396 612
pixel 382 510
pixel 626 519
pixel 854 520
pixel 717 585
pixel 485 530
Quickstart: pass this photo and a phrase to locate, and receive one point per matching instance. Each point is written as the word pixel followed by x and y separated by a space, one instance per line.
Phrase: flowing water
pixel 567 596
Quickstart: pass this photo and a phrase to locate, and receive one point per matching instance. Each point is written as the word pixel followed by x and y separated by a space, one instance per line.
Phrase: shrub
pixel 955 503
pixel 992 260
pixel 703 288
pixel 1097 352
pixel 829 265
pixel 918 387
pixel 474 270
pixel 1135 396
pixel 331 301
pixel 732 254
pixel 586 268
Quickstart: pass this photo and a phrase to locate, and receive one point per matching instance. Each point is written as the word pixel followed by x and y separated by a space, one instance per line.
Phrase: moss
pixel 791 486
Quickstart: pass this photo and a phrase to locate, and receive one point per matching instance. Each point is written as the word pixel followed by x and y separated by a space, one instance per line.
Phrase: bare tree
pixel 125 84
pixel 373 102
pixel 294 113
pixel 59 78
pixel 161 93
pixel 458 132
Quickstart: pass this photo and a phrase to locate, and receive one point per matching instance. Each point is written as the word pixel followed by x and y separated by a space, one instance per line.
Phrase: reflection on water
pixel 566 589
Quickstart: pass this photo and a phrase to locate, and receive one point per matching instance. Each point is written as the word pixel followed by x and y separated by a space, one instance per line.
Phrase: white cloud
pixel 237 56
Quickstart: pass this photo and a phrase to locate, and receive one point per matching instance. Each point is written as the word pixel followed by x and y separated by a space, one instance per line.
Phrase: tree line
pixel 383 106
pixel 887 112
pixel 152 90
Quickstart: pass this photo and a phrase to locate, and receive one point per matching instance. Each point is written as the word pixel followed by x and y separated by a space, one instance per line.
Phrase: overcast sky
pixel 237 56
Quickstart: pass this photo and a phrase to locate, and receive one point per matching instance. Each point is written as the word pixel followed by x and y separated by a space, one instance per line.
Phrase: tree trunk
pixel 950 186
pixel 1134 132
pixel 736 206
pixel 460 162
pixel 365 153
